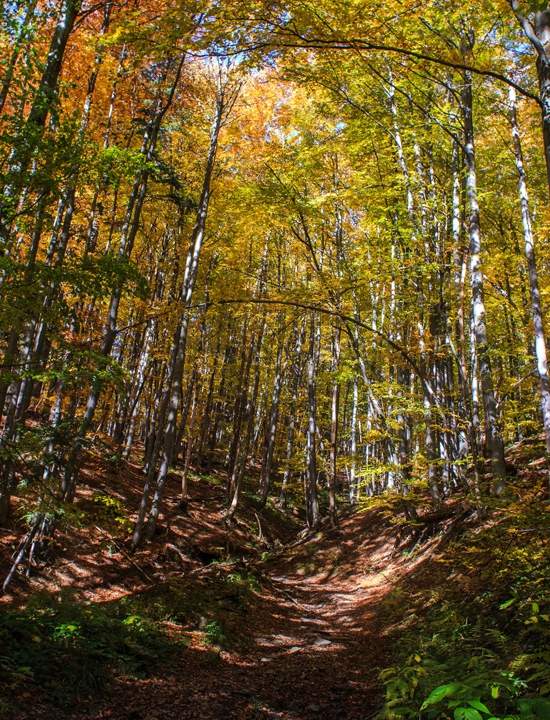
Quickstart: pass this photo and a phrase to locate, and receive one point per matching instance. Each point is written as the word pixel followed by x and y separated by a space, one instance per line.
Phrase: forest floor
pixel 263 621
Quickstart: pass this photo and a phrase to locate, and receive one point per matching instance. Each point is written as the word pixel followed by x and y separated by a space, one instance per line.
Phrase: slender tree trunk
pixel 494 440
pixel 240 401
pixel 171 401
pixel 312 502
pixel 334 416
pixel 249 411
pixel 353 487
pixel 205 426
pixel 536 304
pixel 44 100
pixel 128 235
pixel 297 370
pixel 22 38
pixel 271 426
pixel 536 28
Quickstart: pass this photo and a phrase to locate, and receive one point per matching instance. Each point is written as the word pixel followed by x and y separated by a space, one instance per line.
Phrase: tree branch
pixel 528 29
pixel 303 42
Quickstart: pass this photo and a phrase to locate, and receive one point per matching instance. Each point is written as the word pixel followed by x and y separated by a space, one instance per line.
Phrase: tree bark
pixel 272 421
pixel 171 401
pixel 536 28
pixel 312 501
pixel 494 440
pixel 529 245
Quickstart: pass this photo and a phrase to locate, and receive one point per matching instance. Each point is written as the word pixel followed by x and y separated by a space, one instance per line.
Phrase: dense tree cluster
pixel 295 239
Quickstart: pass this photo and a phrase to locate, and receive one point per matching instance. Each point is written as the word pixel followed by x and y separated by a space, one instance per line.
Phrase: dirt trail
pixel 308 643
pixel 309 647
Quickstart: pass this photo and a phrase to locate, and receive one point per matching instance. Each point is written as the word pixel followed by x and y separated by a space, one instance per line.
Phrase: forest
pixel 274 387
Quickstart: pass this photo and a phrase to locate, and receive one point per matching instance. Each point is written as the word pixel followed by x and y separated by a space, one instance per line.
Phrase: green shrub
pixel 111 512
pixel 71 650
pixel 482 652
pixel 214 633
pixel 248 582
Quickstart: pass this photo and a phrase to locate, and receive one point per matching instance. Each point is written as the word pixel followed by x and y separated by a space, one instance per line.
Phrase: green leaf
pixel 478 705
pixel 507 604
pixel 440 693
pixel 466 713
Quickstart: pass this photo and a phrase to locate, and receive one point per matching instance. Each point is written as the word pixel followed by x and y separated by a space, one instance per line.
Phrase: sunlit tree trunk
pixel 205 426
pixel 249 411
pixel 171 401
pixel 43 102
pixel 312 502
pixel 128 235
pixel 529 245
pixel 296 377
pixel 494 440
pixel 536 28
pixel 334 416
pixel 353 486
pixel 272 421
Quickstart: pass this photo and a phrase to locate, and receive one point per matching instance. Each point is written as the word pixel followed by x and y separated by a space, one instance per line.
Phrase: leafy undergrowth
pixel 69 649
pixel 89 552
pixel 470 629
pixel 72 650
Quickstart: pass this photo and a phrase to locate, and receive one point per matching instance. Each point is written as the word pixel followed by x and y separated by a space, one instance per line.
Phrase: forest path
pixel 309 646
pixel 304 641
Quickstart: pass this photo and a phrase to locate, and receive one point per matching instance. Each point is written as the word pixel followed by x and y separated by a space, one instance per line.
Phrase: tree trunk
pixel 334 413
pixel 271 426
pixel 536 305
pixel 494 440
pixel 21 40
pixel 312 502
pixel 297 370
pixel 170 405
pixel 44 100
